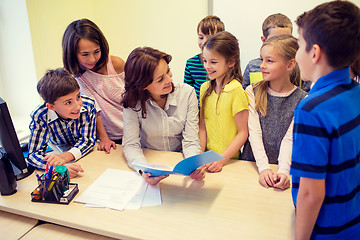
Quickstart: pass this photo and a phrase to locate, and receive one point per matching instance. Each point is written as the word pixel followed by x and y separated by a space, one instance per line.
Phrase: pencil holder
pixel 54 189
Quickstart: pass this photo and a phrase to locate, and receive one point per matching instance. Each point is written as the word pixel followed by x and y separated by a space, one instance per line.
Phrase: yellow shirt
pixel 219 114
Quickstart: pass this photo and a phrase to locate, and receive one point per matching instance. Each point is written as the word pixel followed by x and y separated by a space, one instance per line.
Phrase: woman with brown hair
pixel 158 113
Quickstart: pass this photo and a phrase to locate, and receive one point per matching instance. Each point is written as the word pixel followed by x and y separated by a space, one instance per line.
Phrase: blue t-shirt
pixel 326 145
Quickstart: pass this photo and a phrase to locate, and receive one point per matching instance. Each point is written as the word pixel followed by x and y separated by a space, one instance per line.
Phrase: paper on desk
pixel 152 196
pixel 113 189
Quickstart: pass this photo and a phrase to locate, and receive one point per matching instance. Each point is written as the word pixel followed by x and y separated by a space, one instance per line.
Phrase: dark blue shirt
pixel 326 145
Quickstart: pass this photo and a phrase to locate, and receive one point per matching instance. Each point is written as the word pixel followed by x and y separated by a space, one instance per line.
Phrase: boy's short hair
pixel 210 25
pixel 55 84
pixel 276 20
pixel 335 27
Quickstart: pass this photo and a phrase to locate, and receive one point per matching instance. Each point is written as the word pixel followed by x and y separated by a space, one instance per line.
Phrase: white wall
pixel 244 19
pixel 17 68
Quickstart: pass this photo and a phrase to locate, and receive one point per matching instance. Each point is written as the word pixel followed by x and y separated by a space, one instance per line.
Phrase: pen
pixel 37 175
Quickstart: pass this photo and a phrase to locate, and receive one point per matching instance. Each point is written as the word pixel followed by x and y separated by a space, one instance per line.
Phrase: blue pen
pixel 37 175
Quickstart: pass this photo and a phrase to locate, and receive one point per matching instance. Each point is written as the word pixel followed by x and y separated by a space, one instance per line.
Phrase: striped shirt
pixel 195 73
pixel 326 145
pixel 107 91
pixel 46 126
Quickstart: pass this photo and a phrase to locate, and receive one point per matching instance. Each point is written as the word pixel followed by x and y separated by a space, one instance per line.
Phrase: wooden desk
pixel 13 226
pixel 226 205
pixel 52 231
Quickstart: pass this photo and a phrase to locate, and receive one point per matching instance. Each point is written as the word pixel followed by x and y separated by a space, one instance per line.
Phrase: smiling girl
pixel 272 105
pixel 223 101
pixel 100 76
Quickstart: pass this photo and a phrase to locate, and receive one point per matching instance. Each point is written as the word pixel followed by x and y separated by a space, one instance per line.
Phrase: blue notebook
pixel 185 167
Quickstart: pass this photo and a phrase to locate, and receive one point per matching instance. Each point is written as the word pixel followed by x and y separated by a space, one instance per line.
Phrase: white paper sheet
pixel 113 189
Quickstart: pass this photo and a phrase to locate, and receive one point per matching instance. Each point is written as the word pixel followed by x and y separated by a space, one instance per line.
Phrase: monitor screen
pixel 10 142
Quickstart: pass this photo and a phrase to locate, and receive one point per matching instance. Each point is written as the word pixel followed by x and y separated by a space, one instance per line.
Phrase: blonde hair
pixel 227 45
pixel 286 46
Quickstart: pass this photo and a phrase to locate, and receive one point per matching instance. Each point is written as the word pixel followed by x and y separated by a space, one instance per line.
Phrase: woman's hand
pixel 153 180
pixel 266 178
pixel 198 174
pixel 282 181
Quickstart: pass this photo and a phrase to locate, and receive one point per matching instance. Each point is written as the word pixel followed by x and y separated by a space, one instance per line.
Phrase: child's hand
pixel 216 166
pixel 282 181
pixel 105 145
pixel 153 180
pixel 198 174
pixel 74 169
pixel 55 159
pixel 266 178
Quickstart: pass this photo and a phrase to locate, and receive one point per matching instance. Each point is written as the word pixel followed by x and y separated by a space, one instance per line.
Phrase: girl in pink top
pixel 100 76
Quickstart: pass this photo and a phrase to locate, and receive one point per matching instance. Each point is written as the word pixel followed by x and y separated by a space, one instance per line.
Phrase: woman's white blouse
pixel 174 128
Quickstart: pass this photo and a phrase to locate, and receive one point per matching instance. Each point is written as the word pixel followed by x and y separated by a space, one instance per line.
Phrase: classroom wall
pixel 17 67
pixel 244 20
pixel 169 26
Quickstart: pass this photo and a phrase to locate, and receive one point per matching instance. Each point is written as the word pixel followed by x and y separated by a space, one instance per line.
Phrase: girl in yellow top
pixel 223 102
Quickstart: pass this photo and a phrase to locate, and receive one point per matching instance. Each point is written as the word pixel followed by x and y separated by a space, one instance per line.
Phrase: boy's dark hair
pixel 55 84
pixel 277 20
pixel 335 27
pixel 139 72
pixel 77 30
pixel 210 25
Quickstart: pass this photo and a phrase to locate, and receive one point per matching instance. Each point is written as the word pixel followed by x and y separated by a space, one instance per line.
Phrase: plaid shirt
pixel 47 126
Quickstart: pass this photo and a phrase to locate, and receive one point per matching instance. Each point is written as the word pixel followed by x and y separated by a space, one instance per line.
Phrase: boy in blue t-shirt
pixel 326 142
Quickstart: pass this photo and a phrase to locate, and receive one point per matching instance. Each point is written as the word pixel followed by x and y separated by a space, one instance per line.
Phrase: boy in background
pixel 326 146
pixel 64 119
pixel 273 25
pixel 195 73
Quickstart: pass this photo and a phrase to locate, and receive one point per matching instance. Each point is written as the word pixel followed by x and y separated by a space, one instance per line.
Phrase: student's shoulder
pixel 118 64
pixel 254 63
pixel 88 102
pixel 194 59
pixel 233 85
pixel 40 111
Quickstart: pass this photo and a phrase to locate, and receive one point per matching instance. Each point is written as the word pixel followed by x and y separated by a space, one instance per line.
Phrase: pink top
pixel 107 91
pixel 255 136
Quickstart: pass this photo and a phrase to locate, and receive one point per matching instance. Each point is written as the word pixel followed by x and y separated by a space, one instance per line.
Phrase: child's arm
pixel 187 76
pixel 266 175
pixel 309 200
pixel 38 143
pixel 86 138
pixel 105 143
pixel 202 132
pixel 282 177
pixel 241 120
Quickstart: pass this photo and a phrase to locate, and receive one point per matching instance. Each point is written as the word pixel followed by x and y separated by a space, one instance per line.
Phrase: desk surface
pixel 13 226
pixel 228 205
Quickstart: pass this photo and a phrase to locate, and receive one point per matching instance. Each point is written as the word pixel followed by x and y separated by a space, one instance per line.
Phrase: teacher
pixel 158 113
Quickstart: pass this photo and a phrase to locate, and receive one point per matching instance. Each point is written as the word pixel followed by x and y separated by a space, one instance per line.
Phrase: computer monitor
pixel 10 143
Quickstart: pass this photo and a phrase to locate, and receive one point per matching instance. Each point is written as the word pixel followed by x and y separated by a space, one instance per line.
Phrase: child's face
pixel 304 60
pixel 88 53
pixel 273 66
pixel 201 38
pixel 162 80
pixel 215 64
pixel 68 106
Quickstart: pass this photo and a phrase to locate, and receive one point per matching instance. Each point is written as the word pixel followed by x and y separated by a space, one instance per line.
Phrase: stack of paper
pixel 117 189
